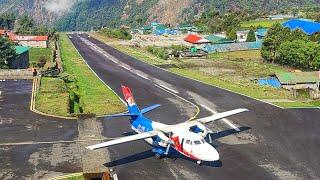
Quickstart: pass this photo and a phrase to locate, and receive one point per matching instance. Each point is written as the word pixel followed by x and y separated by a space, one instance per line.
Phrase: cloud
pixel 59 6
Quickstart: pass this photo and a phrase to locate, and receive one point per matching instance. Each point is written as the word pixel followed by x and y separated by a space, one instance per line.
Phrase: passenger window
pixel 188 141
pixel 197 142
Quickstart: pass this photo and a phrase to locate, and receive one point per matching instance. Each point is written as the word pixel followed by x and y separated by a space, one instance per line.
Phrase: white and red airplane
pixel 187 138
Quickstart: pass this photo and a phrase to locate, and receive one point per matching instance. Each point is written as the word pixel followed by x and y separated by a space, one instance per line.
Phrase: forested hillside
pixel 88 14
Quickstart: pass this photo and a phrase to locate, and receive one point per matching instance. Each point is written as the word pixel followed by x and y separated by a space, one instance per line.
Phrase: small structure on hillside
pixel 214 39
pixel 193 53
pixel 196 39
pixel 307 26
pixel 295 81
pixel 261 33
pixel 32 41
pixel 22 59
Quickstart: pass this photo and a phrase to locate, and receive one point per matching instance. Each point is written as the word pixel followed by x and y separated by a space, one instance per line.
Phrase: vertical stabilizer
pixel 132 106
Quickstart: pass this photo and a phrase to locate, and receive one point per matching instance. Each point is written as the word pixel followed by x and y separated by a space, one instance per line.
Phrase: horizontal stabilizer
pixel 123 115
pixel 150 108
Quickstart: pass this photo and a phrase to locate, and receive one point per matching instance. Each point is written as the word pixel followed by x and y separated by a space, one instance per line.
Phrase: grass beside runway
pixel 79 91
pixel 53 97
pixel 90 94
pixel 232 70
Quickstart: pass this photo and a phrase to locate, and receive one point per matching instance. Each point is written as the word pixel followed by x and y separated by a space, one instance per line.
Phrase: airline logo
pixel 128 95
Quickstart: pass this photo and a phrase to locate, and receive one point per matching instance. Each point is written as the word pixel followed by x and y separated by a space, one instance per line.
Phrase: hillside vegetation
pixel 88 14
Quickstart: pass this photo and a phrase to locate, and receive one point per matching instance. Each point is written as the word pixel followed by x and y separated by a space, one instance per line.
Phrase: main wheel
pixel 158 156
pixel 199 162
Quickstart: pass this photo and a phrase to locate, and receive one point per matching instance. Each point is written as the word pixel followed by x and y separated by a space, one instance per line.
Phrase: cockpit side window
pixel 203 141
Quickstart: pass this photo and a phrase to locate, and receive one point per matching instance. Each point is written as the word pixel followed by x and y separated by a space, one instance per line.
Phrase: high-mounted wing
pixel 215 117
pixel 124 140
pixel 222 115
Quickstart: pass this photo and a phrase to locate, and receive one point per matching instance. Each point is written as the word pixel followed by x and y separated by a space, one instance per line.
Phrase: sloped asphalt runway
pixel 274 143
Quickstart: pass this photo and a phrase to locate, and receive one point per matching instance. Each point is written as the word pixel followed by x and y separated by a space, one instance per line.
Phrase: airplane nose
pixel 210 154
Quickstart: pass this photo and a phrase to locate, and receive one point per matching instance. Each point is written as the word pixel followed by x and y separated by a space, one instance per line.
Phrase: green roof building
pixel 218 40
pixel 22 59
pixel 299 80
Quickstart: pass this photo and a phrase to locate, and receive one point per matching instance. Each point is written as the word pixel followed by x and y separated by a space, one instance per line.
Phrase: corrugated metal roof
pixel 218 40
pixel 195 39
pixel 308 27
pixel 298 77
pixel 22 49
pixel 14 37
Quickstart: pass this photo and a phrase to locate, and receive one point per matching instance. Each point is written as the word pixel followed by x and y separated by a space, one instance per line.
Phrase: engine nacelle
pixel 199 129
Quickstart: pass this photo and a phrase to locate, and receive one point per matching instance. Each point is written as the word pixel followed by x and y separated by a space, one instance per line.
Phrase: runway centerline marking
pixel 174 91
pixel 223 119
pixel 144 77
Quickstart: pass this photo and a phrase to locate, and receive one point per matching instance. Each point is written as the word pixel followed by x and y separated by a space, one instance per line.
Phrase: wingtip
pixel 90 148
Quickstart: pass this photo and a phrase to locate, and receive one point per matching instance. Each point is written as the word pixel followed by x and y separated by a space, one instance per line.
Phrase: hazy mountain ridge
pixel 87 14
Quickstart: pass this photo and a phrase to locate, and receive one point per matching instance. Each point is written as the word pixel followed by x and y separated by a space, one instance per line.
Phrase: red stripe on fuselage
pixel 178 146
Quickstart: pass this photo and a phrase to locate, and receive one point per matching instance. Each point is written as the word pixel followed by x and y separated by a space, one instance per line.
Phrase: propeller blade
pixel 167 150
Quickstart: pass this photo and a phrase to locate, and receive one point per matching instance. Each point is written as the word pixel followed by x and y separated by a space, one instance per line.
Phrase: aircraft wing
pixel 222 115
pixel 213 118
pixel 124 140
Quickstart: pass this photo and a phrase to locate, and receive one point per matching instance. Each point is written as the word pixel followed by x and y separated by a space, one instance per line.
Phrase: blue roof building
pixel 308 27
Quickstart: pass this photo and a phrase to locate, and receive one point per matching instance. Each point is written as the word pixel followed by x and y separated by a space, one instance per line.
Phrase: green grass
pixel 53 97
pixel 94 96
pixel 260 23
pixel 296 104
pixel 245 66
pixel 36 53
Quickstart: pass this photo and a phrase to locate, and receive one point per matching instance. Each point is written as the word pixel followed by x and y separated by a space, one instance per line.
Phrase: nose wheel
pixel 199 162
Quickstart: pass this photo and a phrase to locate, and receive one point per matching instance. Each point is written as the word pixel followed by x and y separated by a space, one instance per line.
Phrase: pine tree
pixel 251 36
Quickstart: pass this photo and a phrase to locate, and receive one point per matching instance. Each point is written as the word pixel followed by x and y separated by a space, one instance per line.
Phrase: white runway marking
pixel 126 68
pixel 225 120
pixel 167 88
pixel 144 77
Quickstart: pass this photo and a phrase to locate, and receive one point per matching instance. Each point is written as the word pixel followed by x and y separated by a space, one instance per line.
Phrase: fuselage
pixel 184 141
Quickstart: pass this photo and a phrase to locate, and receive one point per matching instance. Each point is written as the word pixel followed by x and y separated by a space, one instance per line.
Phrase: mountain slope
pixel 87 14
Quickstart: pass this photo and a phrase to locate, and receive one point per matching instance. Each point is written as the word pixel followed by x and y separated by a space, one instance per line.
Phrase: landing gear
pixel 159 152
pixel 158 156
pixel 199 162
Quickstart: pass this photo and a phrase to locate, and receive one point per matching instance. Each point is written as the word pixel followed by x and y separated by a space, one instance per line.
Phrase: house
pixel 214 39
pixel 294 81
pixel 242 35
pixel 307 26
pixel 196 39
pixel 32 41
pixel 22 59
pixel 261 33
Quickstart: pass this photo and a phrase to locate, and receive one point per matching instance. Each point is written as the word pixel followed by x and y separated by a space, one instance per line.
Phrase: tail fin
pixel 132 106
pixel 133 109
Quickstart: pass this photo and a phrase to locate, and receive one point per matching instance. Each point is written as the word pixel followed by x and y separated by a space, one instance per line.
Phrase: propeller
pixel 168 144
pixel 209 132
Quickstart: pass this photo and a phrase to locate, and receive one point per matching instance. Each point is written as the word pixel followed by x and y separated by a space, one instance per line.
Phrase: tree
pixel 275 36
pixel 298 53
pixel 232 34
pixel 8 52
pixel 251 36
